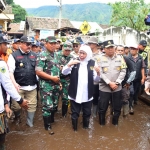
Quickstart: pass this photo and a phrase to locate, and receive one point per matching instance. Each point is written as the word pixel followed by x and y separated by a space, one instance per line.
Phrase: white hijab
pixel 88 51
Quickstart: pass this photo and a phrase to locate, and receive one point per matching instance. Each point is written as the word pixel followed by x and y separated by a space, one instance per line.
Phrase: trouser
pixel 2 141
pixel 31 96
pixel 125 100
pixel 49 99
pixel 64 93
pixel 76 108
pixel 96 94
pixel 115 98
pixel 134 91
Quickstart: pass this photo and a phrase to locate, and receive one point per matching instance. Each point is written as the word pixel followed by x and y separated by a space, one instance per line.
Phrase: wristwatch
pixel 117 83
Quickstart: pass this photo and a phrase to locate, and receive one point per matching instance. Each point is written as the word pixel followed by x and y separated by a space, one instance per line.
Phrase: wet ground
pixel 132 133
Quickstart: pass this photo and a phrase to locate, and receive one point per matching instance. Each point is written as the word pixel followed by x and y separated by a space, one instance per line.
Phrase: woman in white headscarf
pixel 82 73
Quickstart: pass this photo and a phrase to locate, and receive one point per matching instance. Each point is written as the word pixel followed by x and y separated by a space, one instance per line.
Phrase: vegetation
pixel 131 14
pixel 18 11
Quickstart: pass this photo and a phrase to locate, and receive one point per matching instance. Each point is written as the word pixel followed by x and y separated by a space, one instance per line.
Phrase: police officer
pixel 47 68
pixel 22 71
pixel 113 70
pixel 5 81
pixel 93 43
pixel 63 58
pixel 15 44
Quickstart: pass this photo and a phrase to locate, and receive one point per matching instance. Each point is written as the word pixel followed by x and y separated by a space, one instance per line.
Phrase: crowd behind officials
pixel 88 77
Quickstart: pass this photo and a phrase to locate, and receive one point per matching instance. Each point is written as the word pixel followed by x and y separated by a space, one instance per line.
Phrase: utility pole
pixel 60 11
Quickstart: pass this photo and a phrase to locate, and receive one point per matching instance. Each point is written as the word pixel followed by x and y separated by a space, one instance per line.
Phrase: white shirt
pixel 6 82
pixel 82 89
pixel 12 67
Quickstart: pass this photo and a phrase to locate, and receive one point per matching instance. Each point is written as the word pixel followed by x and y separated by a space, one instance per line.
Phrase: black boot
pixel 74 124
pixel 102 119
pixel 52 116
pixel 64 110
pixel 47 122
pixel 85 123
pixel 17 116
pixel 115 120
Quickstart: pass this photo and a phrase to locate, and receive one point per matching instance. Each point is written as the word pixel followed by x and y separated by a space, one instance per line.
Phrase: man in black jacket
pixel 139 65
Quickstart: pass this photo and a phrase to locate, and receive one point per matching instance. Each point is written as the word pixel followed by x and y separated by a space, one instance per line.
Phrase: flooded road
pixel 132 133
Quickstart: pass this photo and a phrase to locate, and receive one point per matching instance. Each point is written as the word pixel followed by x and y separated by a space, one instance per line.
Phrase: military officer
pixel 113 71
pixel 63 58
pixel 47 68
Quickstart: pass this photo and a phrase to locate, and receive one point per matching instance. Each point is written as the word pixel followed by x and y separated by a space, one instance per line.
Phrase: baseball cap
pixel 59 40
pixel 3 39
pixel 67 45
pixel 135 46
pixel 26 39
pixel 51 39
pixel 108 43
pixel 143 43
pixel 93 40
pixel 15 40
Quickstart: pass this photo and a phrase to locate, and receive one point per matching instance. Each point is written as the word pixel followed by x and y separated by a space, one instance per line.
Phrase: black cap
pixel 26 39
pixel 3 39
pixel 108 43
pixel 143 43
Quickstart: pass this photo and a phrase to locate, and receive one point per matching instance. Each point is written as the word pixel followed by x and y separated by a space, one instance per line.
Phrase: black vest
pixel 137 66
pixel 25 68
pixel 72 91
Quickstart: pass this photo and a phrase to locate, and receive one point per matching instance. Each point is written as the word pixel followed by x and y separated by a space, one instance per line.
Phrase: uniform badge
pixel 105 69
pixel 118 68
pixel 109 42
pixel 3 70
pixel 91 67
pixel 21 64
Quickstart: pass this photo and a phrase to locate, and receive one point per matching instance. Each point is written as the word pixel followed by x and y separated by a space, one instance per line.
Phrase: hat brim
pixel 52 41
pixel 112 45
pixel 92 42
pixel 68 49
pixel 135 48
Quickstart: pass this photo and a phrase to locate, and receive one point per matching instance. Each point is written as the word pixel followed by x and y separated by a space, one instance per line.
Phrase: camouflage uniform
pixel 49 91
pixel 64 79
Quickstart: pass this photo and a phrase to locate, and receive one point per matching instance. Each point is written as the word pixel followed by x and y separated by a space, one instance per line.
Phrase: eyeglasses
pixel 27 44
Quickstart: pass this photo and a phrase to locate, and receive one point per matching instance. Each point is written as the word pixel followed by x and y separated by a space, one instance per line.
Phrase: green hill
pixel 94 12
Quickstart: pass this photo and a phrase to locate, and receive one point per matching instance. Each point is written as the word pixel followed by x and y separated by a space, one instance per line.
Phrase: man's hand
pixel 142 81
pixel 24 104
pixel 127 86
pixel 55 79
pixel 8 111
pixel 97 69
pixel 113 85
pixel 17 86
pixel 73 62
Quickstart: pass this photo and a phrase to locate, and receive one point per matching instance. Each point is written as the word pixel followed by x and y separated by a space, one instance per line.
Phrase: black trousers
pixel 96 94
pixel 76 108
pixel 116 100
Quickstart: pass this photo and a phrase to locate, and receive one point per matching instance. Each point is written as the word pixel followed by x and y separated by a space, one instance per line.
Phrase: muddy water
pixel 132 133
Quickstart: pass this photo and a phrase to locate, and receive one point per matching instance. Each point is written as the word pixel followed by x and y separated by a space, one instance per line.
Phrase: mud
pixel 132 133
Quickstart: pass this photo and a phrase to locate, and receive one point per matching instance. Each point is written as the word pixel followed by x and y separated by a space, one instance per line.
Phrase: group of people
pixel 90 76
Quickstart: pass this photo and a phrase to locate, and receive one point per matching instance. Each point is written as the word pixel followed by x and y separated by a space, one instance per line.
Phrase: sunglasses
pixel 27 44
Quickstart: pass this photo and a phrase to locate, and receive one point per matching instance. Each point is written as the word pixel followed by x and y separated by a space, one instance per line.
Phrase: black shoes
pixel 102 119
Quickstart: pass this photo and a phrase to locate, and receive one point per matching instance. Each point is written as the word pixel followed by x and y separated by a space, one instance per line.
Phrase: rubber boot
pixel 47 122
pixel 64 110
pixel 52 116
pixel 115 120
pixel 30 116
pixel 85 123
pixel 17 116
pixel 94 111
pixel 74 124
pixel 102 119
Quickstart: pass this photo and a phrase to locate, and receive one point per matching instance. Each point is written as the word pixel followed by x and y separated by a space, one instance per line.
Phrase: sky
pixel 38 3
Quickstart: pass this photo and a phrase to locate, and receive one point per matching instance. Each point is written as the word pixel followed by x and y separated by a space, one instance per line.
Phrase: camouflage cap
pixel 51 39
pixel 67 45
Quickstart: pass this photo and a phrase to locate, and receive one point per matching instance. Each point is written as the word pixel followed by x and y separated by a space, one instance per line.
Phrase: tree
pixel 9 2
pixel 131 14
pixel 19 13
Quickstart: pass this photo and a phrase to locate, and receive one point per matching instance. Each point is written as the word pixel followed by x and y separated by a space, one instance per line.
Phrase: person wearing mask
pixel 82 72
pixel 21 65
pixel 93 43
